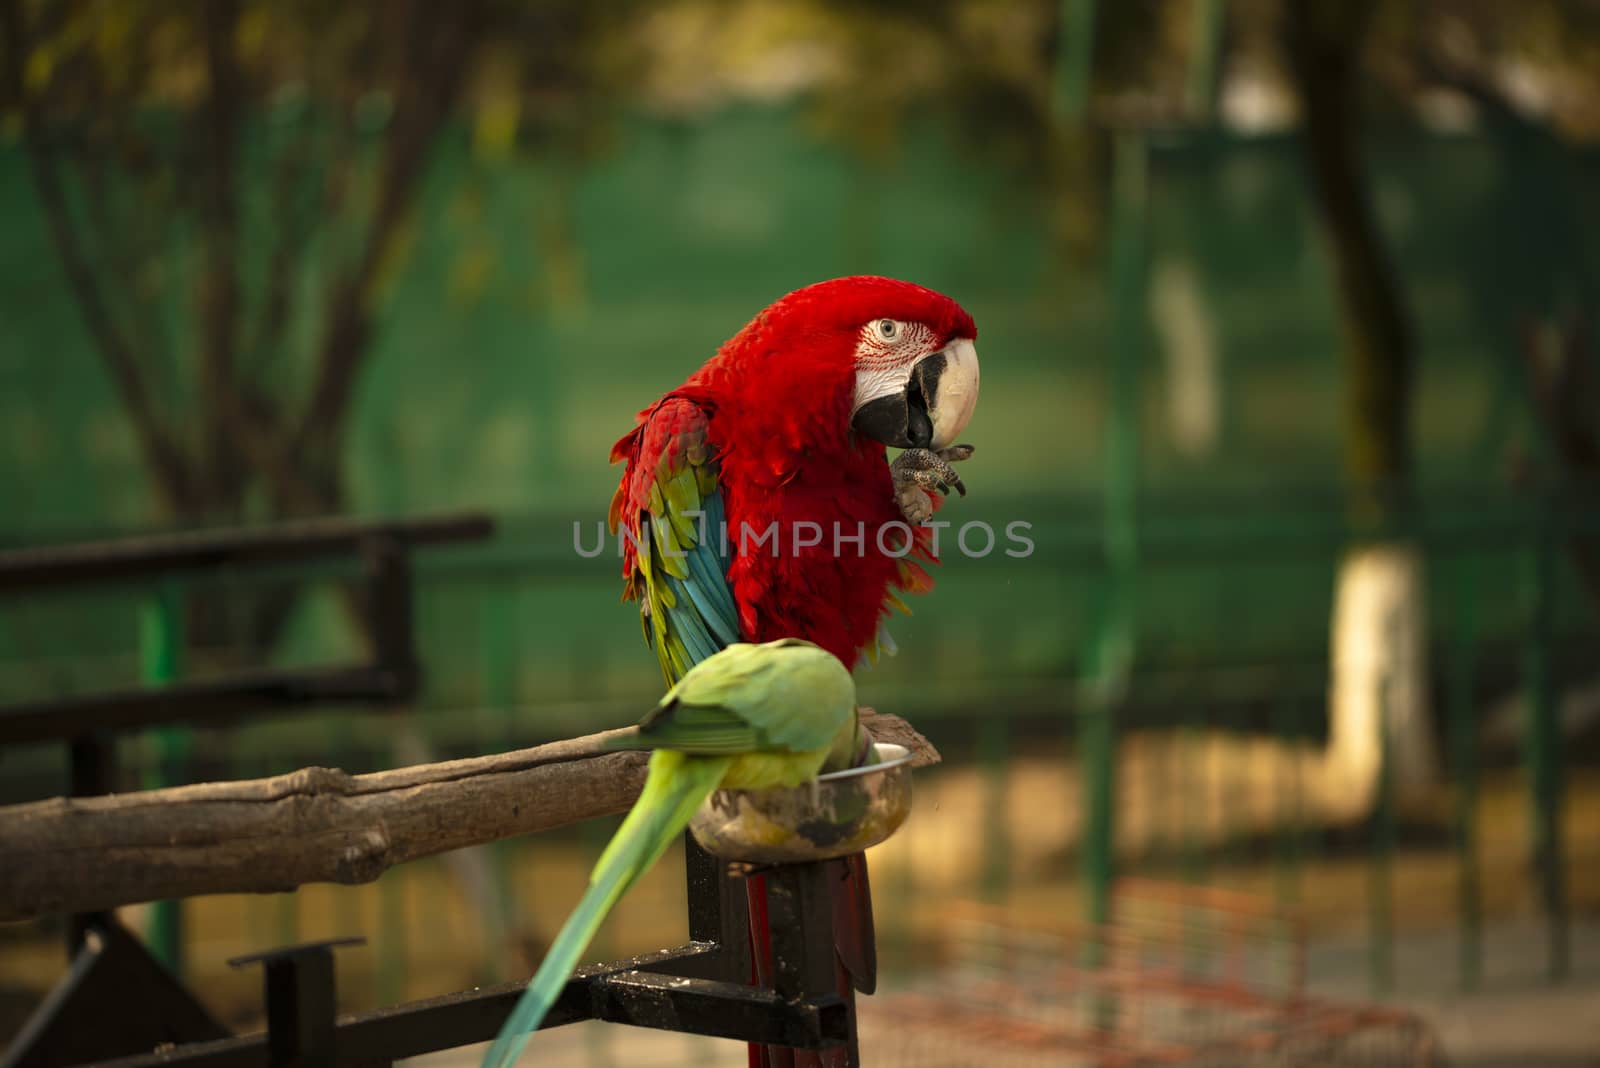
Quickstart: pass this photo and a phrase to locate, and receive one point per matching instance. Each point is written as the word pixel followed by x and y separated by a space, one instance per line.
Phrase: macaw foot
pixel 918 472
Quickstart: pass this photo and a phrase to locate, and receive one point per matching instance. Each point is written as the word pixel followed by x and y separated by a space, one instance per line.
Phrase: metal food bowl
pixel 835 815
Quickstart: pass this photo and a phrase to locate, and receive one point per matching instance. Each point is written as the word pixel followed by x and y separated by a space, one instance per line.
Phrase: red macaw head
pixel 898 360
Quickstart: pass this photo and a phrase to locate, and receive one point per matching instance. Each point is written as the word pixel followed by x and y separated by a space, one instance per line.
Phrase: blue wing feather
pixel 669 495
pixel 688 618
pixel 712 596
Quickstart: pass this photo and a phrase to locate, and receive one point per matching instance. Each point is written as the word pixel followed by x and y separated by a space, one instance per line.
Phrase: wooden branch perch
pixel 312 825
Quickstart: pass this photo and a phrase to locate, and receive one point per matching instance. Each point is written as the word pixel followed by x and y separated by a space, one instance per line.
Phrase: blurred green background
pixel 265 260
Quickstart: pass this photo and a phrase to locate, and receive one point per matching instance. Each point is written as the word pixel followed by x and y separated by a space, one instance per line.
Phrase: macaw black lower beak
pixel 901 419
pixel 934 406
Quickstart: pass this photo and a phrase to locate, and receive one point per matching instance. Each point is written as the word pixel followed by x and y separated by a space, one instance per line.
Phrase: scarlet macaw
pixel 757 501
pixel 778 441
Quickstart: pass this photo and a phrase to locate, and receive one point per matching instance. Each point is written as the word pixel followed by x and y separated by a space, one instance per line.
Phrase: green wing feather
pixel 677 523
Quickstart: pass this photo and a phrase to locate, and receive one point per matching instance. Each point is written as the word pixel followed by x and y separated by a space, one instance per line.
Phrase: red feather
pixel 777 398
pixel 773 407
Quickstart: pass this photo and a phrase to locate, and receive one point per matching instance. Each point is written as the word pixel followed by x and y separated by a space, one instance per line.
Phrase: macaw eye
pixel 888 329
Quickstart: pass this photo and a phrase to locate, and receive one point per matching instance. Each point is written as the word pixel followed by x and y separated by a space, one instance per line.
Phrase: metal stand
pixel 119 1002
pixel 115 998
pixel 300 1001
pixel 700 988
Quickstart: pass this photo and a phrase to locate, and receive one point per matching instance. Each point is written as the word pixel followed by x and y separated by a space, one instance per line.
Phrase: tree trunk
pixel 1379 669
pixel 1378 654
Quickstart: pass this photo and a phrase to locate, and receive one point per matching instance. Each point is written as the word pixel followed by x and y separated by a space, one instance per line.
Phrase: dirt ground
pixel 1515 1020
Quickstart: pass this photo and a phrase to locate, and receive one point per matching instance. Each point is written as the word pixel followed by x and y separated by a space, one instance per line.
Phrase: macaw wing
pixel 670 513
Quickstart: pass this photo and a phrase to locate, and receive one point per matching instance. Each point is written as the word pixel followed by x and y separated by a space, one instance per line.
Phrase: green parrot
pixel 748 717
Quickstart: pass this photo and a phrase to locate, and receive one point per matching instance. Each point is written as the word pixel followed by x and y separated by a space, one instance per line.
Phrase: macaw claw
pixel 919 472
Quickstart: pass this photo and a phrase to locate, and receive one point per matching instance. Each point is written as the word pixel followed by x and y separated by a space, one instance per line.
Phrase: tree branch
pixel 295 212
pixel 1565 392
pixel 219 295
pixel 174 479
pixel 313 825
pixel 440 42
pixel 1323 45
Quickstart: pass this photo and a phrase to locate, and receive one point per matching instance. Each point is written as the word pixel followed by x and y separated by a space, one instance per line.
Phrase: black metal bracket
pixel 119 1001
pixel 390 674
pixel 700 988
pixel 115 997
pixel 720 1010
pixel 300 1001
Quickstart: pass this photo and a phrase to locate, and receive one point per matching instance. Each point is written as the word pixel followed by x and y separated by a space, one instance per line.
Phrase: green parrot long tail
pixel 676 787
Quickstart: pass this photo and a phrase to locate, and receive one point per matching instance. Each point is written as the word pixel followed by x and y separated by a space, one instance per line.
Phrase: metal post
pixel 394 652
pixel 92 764
pixel 1097 759
pixel 718 911
pixel 800 917
pixel 299 989
pixel 1112 655
pixel 161 648
pixel 1544 741
pixel 1381 888
pixel 389 573
pixel 1464 753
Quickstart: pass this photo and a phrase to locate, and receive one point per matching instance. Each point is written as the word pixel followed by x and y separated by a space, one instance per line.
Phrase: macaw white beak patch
pixel 921 405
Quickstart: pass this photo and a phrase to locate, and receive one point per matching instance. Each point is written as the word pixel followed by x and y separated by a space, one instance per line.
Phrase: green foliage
pixel 591 203
pixel 230 186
